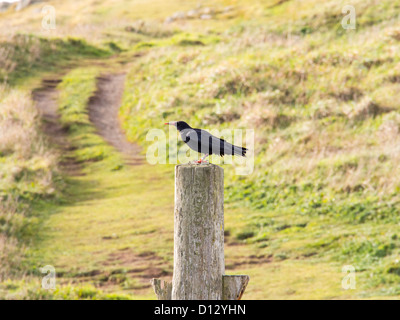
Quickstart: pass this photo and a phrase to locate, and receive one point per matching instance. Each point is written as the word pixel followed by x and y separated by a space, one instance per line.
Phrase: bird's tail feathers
pixel 239 151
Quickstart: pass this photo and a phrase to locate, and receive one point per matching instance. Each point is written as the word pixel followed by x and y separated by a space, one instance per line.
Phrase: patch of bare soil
pixel 251 260
pixel 45 98
pixel 143 267
pixel 124 269
pixel 103 113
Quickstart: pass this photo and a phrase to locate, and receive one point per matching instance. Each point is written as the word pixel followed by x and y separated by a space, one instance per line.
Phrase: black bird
pixel 204 142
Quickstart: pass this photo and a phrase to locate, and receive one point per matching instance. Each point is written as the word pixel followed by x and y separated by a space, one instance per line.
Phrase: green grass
pixel 28 164
pixel 110 209
pixel 26 56
pixel 324 105
pixel 28 172
pixel 109 220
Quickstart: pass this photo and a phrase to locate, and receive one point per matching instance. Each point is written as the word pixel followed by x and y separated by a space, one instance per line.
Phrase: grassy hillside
pixel 324 104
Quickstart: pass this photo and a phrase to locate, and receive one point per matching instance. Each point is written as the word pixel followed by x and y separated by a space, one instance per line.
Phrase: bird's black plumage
pixel 204 142
pixel 181 125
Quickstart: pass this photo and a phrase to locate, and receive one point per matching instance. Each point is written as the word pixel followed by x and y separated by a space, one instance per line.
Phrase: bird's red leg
pixel 203 159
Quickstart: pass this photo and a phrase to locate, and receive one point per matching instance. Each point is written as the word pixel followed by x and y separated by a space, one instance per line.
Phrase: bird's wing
pixel 213 145
pixel 204 142
pixel 197 140
pixel 192 139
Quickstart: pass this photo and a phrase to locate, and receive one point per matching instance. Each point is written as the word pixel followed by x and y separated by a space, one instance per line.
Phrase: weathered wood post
pixel 199 263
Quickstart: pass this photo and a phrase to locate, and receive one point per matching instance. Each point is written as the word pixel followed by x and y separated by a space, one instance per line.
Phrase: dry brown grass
pixel 10 250
pixel 256 115
pixel 17 49
pixel 369 160
pixel 27 167
pixel 367 108
pixel 7 65
pixel 19 122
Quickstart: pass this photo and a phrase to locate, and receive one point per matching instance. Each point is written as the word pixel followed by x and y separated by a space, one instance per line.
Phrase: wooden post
pixel 163 289
pixel 233 287
pixel 199 264
pixel 199 233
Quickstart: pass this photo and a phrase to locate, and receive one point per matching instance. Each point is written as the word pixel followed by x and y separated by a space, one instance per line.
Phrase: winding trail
pixel 103 113
pixel 113 229
pixel 102 234
pixel 45 98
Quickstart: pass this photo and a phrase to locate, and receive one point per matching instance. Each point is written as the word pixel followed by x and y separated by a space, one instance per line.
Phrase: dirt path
pixel 101 247
pixel 103 113
pixel 114 229
pixel 45 98
pixel 46 102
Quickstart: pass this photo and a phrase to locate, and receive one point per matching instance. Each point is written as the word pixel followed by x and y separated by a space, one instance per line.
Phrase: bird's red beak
pixel 166 123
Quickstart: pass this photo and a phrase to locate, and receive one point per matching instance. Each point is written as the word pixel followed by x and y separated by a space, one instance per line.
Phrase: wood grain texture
pixel 234 286
pixel 199 232
pixel 163 289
